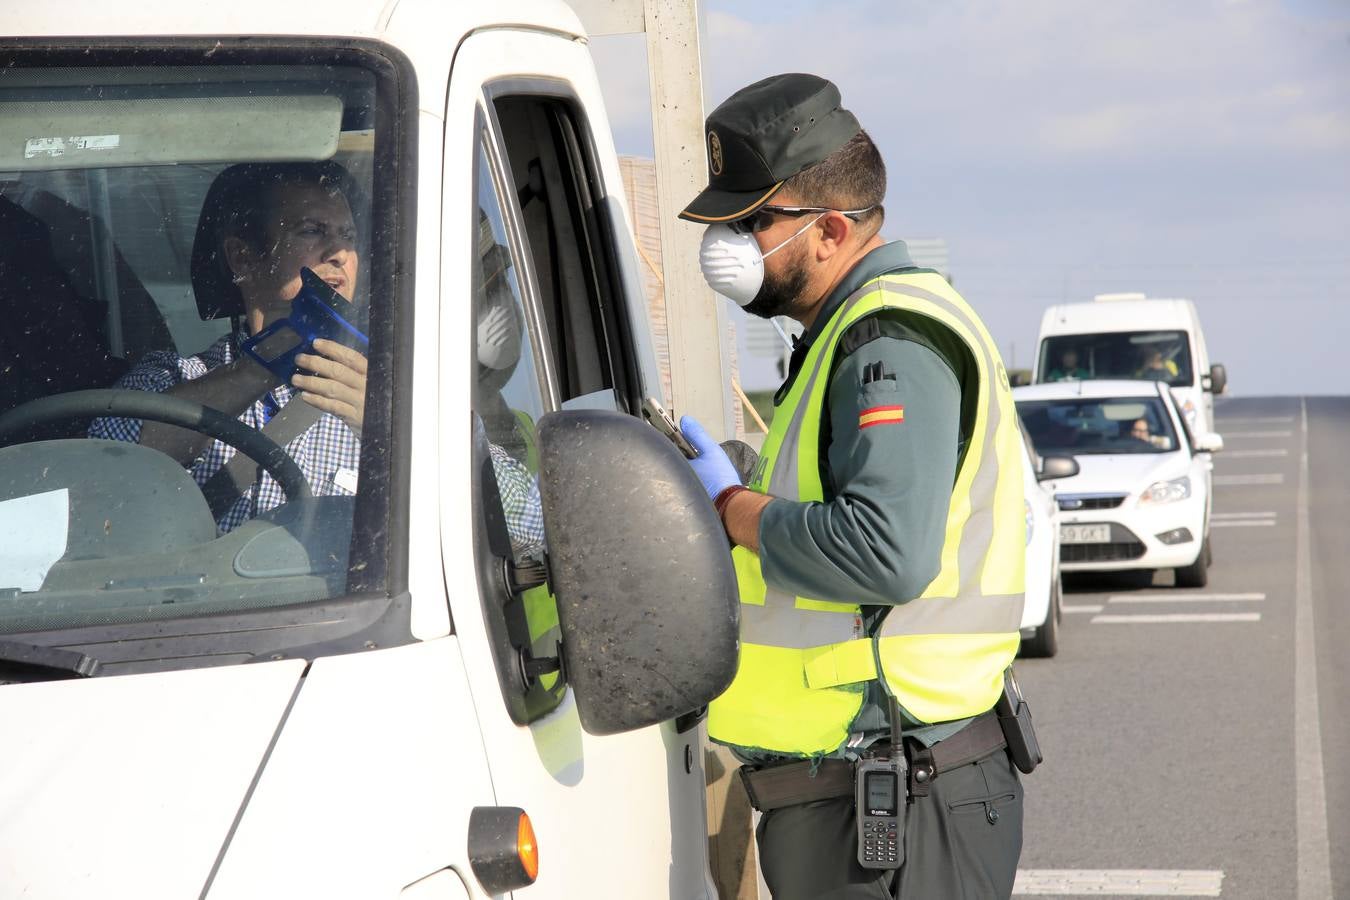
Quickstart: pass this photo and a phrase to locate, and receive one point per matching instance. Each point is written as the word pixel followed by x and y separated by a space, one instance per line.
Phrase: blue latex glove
pixel 712 465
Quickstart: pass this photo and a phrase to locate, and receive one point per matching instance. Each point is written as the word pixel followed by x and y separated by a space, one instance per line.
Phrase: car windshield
pixel 154 220
pixel 1090 426
pixel 1147 355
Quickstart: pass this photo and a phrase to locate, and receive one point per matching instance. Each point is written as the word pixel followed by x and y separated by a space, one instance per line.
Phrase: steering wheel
pixel 124 404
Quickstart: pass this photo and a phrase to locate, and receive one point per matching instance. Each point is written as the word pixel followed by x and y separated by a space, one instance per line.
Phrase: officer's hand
pixel 712 465
pixel 338 382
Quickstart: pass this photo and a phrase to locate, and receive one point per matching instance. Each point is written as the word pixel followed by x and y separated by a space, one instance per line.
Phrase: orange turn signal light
pixel 526 847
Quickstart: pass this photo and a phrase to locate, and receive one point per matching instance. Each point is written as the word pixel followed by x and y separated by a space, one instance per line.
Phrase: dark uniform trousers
pixel 962 842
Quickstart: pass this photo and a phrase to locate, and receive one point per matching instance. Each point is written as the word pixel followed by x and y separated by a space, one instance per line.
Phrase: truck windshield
pixel 1146 355
pixel 1092 426
pixel 154 219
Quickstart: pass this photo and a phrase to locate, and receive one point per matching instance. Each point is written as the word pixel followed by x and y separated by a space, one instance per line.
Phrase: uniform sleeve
pixel 895 418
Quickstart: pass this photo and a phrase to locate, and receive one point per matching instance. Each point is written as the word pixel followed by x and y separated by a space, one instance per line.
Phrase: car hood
pixel 1110 473
pixel 131 783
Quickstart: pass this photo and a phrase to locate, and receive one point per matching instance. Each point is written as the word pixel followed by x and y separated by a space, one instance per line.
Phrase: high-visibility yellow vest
pixel 805 661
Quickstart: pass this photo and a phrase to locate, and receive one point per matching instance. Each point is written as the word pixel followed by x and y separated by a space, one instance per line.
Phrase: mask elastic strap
pixel 795 236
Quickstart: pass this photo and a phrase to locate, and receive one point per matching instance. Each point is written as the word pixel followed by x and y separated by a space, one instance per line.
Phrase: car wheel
pixel 1196 575
pixel 1209 553
pixel 1045 642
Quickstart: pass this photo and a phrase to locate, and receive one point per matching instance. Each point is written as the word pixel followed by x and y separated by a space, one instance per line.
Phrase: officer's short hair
pixel 852 177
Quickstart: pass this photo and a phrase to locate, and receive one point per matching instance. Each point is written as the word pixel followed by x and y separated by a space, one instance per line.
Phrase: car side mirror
pixel 1218 379
pixel 1208 442
pixel 1056 467
pixel 641 569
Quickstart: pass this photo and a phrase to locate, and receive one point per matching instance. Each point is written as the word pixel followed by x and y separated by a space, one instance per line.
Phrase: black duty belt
pixel 790 784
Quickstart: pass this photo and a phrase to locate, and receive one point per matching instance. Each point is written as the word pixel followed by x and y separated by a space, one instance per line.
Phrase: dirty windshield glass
pixel 1145 355
pixel 1087 426
pixel 195 245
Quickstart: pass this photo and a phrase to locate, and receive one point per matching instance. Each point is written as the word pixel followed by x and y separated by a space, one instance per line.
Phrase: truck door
pixel 541 309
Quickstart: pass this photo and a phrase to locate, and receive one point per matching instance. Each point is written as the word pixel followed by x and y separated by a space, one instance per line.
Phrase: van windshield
pixel 158 227
pixel 1145 355
pixel 1098 426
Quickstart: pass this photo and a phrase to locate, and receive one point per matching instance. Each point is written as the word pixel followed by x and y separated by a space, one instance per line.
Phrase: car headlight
pixel 1031 520
pixel 1167 491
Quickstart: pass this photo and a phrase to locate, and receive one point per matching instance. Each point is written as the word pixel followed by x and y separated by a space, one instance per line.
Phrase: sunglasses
pixel 762 218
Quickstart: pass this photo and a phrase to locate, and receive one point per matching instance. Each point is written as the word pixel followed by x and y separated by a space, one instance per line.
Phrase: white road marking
pixel 1120 882
pixel 1243 515
pixel 1250 454
pixel 1262 478
pixel 1183 598
pixel 1085 608
pixel 1241 523
pixel 1256 434
pixel 1180 618
pixel 1256 420
pixel 1314 848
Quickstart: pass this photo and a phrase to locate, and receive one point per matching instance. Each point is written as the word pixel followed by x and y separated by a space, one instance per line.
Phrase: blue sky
pixel 1064 149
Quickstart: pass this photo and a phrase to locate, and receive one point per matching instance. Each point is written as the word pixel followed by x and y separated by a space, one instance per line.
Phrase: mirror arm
pixel 532 667
pixel 523 576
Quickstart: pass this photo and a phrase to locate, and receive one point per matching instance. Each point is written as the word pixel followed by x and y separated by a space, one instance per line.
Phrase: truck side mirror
pixel 641 569
pixel 1056 467
pixel 1218 378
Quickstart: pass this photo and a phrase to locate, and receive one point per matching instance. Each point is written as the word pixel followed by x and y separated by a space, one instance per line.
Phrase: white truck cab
pixel 1131 336
pixel 357 692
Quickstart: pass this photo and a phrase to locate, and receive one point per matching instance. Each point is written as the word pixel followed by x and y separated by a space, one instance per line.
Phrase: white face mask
pixel 733 264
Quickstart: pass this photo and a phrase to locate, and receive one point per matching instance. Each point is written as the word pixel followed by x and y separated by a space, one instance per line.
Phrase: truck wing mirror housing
pixel 1056 467
pixel 1218 378
pixel 641 569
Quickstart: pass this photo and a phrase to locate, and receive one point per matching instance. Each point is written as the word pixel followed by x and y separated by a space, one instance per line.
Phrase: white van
pixel 376 692
pixel 1129 336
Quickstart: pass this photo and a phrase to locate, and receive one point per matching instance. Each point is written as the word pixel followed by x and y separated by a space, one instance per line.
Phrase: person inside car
pixel 260 224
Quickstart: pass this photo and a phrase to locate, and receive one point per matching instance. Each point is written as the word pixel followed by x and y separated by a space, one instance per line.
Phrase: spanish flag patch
pixel 881 415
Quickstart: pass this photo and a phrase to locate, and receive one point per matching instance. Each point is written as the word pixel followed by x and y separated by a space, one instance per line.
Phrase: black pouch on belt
pixel 1015 718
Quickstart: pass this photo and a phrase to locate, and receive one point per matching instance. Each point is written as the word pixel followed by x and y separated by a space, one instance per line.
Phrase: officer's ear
pixel 835 231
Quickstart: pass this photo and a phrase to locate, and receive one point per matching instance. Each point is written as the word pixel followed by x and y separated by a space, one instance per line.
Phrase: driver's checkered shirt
pixel 327 452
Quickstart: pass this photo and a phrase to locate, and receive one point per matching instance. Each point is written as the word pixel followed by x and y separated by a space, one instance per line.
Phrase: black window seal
pixel 616 335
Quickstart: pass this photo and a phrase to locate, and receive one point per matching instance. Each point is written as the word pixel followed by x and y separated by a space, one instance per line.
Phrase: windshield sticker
pixel 51 147
pixel 33 534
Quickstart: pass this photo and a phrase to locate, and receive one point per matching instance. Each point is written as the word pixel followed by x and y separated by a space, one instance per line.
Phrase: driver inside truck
pixel 260 223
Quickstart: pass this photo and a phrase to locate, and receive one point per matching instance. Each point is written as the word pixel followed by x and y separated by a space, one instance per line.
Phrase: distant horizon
pixel 1182 150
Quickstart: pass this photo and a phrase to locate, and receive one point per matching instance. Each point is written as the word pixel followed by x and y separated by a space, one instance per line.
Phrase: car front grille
pixel 1126 550
pixel 1077 502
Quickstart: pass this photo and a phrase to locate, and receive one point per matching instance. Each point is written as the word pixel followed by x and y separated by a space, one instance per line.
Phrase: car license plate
pixel 1085 534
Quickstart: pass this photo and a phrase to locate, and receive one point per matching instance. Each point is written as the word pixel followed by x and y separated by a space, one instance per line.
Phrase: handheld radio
pixel 317 311
pixel 879 785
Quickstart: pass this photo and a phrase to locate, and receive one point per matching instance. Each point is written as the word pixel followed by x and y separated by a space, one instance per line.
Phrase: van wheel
pixel 1196 575
pixel 1209 553
pixel 1045 642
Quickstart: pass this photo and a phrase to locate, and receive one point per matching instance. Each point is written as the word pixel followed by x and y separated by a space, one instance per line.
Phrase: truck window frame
pixel 614 331
pixel 375 609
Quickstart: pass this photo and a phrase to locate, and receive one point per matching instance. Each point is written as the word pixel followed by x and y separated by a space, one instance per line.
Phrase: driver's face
pixel 313 229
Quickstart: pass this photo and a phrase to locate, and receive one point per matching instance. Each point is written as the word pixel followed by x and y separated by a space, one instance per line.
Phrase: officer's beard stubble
pixel 781 294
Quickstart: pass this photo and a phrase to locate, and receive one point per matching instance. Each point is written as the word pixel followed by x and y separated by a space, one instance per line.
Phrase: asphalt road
pixel 1208 757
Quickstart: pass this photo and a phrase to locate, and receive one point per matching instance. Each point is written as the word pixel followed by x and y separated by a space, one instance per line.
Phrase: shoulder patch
pixel 881 415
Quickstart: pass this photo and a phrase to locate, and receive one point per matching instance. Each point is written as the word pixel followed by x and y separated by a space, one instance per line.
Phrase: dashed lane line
pixel 1242 523
pixel 1185 598
pixel 1119 882
pixel 1256 434
pixel 1242 515
pixel 1255 420
pixel 1081 608
pixel 1252 454
pixel 1176 618
pixel 1262 478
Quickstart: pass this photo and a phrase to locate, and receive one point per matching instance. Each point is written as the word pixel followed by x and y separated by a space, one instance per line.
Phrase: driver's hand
pixel 337 384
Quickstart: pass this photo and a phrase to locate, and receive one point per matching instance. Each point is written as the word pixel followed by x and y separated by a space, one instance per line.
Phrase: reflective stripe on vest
pixel 804 661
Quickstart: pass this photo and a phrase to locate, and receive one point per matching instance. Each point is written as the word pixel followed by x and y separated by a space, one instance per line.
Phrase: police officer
pixel 879 542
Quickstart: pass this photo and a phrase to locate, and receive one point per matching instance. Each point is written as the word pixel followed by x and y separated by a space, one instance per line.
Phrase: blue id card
pixel 317 311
